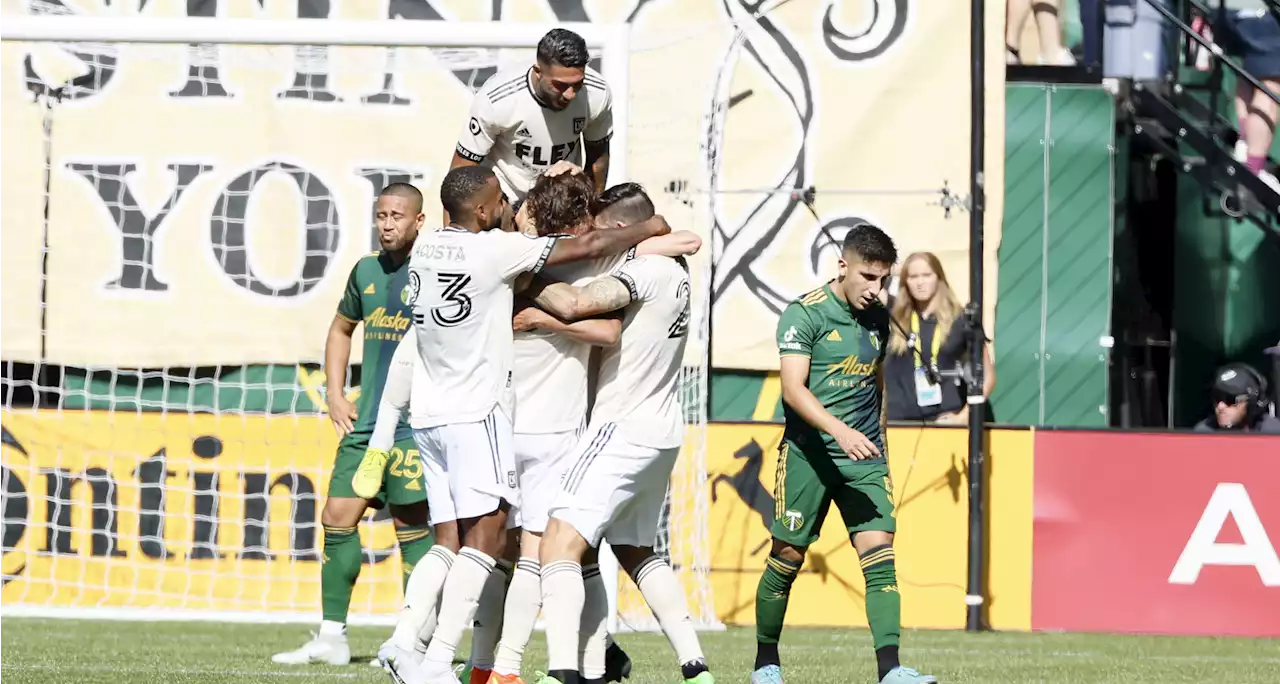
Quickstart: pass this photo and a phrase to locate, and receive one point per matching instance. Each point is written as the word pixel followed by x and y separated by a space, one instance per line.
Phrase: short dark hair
pixel 564 48
pixel 624 203
pixel 460 185
pixel 560 203
pixel 406 191
pixel 870 244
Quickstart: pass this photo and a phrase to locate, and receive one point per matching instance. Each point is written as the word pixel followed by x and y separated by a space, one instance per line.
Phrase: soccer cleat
pixel 547 679
pixel 499 678
pixel 367 481
pixel 332 650
pixel 769 674
pixel 617 664
pixel 401 665
pixel 479 676
pixel 702 678
pixel 906 675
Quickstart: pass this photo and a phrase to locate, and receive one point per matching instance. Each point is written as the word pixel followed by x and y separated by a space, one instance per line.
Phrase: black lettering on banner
pixel 152 476
pixel 61 485
pixel 311 70
pixel 257 505
pixel 101 63
pixel 453 284
pixel 228 231
pixel 204 486
pixel 137 231
pixel 380 178
pixel 203 79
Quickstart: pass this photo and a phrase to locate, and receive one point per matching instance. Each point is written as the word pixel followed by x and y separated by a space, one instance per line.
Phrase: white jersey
pixel 639 378
pixel 520 138
pixel 551 369
pixel 460 284
pixel 405 389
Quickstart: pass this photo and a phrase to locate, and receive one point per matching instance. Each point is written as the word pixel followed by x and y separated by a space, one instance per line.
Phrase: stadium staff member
pixel 1240 402
pixel 523 120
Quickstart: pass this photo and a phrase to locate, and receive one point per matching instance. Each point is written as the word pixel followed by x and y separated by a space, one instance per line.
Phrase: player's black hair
pixel 870 244
pixel 406 191
pixel 459 186
pixel 564 48
pixel 561 204
pixel 624 203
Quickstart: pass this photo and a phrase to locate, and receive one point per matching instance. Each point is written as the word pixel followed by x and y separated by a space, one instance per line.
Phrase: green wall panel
pixel 1054 307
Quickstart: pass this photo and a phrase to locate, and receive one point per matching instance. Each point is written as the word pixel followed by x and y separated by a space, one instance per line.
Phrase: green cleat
pixel 702 678
pixel 367 481
pixel 769 674
pixel 906 675
pixel 547 679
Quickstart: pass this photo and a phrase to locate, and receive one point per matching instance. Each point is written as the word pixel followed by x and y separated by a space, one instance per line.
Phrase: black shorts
pixel 1254 37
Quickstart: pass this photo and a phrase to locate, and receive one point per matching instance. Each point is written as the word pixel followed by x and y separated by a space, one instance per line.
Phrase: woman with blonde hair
pixel 928 332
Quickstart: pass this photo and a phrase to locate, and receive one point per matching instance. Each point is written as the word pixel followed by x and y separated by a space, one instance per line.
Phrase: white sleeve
pixel 643 276
pixel 518 253
pixel 395 394
pixel 600 127
pixel 480 131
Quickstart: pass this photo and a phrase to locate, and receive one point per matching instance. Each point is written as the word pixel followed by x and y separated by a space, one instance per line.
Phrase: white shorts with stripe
pixel 541 460
pixel 614 490
pixel 468 468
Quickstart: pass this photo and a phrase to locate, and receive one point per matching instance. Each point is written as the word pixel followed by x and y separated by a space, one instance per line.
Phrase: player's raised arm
pixel 602 331
pixel 674 244
pixel 601 243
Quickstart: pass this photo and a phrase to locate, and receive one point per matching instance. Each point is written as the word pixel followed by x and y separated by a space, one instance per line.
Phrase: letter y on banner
pixel 1229 499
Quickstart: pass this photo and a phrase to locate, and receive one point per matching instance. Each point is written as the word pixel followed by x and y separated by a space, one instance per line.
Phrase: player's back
pixel 639 379
pixel 462 299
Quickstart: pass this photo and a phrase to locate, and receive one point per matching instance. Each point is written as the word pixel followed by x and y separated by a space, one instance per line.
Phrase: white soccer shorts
pixel 614 490
pixel 541 458
pixel 468 468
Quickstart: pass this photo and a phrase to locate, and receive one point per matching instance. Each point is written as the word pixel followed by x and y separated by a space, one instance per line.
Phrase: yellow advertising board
pixel 205 204
pixel 196 512
pixel 929 467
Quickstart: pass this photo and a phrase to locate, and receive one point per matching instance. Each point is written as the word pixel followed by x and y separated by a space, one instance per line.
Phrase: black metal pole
pixel 977 341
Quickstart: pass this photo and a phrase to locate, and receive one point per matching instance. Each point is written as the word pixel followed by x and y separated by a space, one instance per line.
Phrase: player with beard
pixel 462 282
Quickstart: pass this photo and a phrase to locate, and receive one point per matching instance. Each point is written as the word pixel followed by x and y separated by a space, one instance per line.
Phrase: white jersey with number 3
pixel 461 287
pixel 639 378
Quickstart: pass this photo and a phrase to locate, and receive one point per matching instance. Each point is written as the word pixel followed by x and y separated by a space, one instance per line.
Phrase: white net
pixel 172 259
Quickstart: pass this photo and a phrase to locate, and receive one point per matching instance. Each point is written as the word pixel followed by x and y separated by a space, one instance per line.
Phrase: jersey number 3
pixel 458 305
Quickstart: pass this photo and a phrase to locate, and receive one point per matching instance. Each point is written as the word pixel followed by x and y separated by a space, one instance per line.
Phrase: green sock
pixel 339 571
pixel 884 604
pixel 771 607
pixel 415 541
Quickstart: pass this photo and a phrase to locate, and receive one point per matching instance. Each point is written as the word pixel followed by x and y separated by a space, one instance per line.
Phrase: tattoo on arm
pixel 603 295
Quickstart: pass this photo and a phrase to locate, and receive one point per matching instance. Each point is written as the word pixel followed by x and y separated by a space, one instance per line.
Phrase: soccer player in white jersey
pixel 462 282
pixel 524 120
pixel 616 485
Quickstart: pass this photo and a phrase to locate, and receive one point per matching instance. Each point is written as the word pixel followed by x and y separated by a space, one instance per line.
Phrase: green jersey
pixel 377 294
pixel 846 350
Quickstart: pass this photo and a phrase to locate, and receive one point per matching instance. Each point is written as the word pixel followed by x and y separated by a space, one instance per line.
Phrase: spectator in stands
pixel 1249 30
pixel 1048 28
pixel 1240 402
pixel 928 332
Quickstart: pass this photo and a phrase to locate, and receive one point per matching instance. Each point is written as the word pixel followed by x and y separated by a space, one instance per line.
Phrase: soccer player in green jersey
pixel 832 343
pixel 376 295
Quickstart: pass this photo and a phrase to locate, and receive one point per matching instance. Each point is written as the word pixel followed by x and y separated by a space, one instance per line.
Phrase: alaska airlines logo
pixel 851 365
pixel 379 325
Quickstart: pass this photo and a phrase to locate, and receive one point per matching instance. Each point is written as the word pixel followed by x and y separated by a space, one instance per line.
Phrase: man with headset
pixel 1240 402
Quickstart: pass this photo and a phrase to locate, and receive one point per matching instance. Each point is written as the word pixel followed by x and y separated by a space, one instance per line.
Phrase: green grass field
pixel 90 652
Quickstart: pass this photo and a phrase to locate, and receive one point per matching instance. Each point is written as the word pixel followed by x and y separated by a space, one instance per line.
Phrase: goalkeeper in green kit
pixel 832 342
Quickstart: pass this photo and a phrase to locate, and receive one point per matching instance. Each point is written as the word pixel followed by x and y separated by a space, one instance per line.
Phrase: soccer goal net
pixel 183 201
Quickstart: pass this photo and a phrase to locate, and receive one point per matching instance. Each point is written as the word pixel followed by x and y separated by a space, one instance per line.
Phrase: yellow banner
pixel 206 204
pixel 929 467
pixel 201 512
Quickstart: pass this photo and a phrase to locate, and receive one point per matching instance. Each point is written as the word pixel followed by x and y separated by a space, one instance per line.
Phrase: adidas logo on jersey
pixel 524 132
pixel 834 336
pixel 369 290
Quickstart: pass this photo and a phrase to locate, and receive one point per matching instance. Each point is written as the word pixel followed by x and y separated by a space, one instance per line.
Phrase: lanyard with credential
pixel 935 343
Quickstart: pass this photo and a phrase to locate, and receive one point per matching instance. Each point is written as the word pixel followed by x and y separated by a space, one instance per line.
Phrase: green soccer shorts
pixel 402 484
pixel 807 486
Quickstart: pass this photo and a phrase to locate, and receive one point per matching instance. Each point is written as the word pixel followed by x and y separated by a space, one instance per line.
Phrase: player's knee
pixel 788 552
pixel 630 557
pixel 410 515
pixel 447 536
pixel 561 542
pixel 342 512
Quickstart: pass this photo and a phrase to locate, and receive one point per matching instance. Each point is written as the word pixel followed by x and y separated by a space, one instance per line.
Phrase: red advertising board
pixel 1162 534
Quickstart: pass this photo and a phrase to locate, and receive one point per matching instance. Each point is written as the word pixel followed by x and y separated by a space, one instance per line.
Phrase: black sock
pixel 599 680
pixel 693 668
pixel 566 676
pixel 766 654
pixel 886 659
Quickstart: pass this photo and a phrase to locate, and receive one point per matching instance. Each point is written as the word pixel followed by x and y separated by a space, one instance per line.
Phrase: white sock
pixel 488 624
pixel 422 596
pixel 429 628
pixel 665 596
pixel 333 629
pixel 563 596
pixel 519 615
pixel 594 638
pixel 458 605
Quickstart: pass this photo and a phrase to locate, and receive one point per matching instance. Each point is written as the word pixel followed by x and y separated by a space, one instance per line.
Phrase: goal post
pixel 121 504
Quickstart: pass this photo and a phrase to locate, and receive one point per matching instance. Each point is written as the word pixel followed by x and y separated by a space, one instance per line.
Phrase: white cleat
pixel 403 666
pixel 332 650
pixel 440 674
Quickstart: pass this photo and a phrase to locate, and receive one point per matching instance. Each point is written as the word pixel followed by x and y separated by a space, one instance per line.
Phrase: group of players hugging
pixel 519 405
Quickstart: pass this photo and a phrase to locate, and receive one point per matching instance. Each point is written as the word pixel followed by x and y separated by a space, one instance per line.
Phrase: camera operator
pixel 929 338
pixel 1240 402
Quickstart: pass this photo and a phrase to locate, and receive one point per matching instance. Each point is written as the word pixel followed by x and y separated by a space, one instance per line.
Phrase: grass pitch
pixel 92 652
